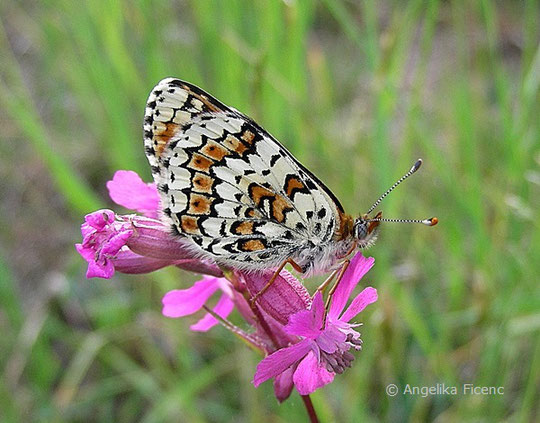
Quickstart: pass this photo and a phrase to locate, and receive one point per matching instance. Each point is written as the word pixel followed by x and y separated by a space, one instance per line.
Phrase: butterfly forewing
pixel 171 105
pixel 228 185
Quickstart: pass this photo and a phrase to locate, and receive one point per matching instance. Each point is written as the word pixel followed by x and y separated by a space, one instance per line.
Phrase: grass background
pixel 357 91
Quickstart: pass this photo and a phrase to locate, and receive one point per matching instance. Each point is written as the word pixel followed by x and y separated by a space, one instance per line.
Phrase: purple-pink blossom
pixel 129 190
pixel 324 338
pixel 305 343
pixel 133 243
pixel 103 238
pixel 183 302
pixel 283 299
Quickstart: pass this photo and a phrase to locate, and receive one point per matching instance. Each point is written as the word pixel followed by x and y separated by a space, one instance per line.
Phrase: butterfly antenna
pixel 413 169
pixel 432 221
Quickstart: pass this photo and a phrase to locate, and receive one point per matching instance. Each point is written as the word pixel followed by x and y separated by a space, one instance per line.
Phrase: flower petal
pixel 330 338
pixel 128 189
pixel 308 323
pixel 103 270
pixel 283 384
pixel 223 308
pixel 99 266
pixel 127 261
pixel 182 302
pixel 283 298
pixel 115 243
pixel 99 219
pixel 310 375
pixel 358 267
pixel 103 237
pixel 87 230
pixel 86 253
pixel 362 300
pixel 157 241
pixel 277 362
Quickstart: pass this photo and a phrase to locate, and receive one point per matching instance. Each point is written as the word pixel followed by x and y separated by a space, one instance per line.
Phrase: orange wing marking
pixel 278 204
pixel 200 163
pixel 214 150
pixel 251 245
pixel 199 204
pixel 234 144
pixel 190 225
pixel 202 183
pixel 243 228
pixel 163 132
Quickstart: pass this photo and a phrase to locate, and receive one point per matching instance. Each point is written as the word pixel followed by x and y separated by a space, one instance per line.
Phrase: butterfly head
pixel 365 230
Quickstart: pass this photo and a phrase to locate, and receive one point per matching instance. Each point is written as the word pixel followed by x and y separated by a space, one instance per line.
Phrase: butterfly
pixel 237 195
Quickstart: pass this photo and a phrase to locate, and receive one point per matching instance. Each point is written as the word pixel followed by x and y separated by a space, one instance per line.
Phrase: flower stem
pixel 309 408
pixel 250 340
pixel 231 277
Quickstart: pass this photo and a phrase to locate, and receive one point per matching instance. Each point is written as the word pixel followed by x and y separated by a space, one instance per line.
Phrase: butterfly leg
pixel 274 276
pixel 342 270
pixel 322 287
pixel 339 270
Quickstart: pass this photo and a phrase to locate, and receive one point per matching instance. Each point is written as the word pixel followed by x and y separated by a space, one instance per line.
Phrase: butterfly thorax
pixel 351 233
pixel 326 256
pixel 322 258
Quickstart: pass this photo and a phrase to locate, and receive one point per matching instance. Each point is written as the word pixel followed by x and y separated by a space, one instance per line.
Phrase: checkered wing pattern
pixel 228 185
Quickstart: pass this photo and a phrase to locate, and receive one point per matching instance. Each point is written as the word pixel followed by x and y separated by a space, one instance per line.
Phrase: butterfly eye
pixel 360 229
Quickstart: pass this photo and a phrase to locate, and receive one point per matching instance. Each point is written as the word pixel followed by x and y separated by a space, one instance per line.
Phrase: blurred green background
pixel 357 91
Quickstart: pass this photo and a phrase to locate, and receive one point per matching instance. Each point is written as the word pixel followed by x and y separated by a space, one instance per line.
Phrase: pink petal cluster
pixel 133 243
pixel 287 295
pixel 305 345
pixel 103 238
pixel 326 339
pixel 313 344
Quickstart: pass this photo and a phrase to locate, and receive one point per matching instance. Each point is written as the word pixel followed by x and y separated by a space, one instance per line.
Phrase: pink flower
pixel 103 238
pixel 284 298
pixel 134 244
pixel 128 189
pixel 325 339
pixel 305 346
pixel 183 302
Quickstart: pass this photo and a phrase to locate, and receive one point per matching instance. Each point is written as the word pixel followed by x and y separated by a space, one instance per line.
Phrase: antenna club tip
pixel 416 165
pixel 433 221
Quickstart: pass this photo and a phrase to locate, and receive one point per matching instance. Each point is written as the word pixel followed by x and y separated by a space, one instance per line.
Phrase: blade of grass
pixel 16 101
